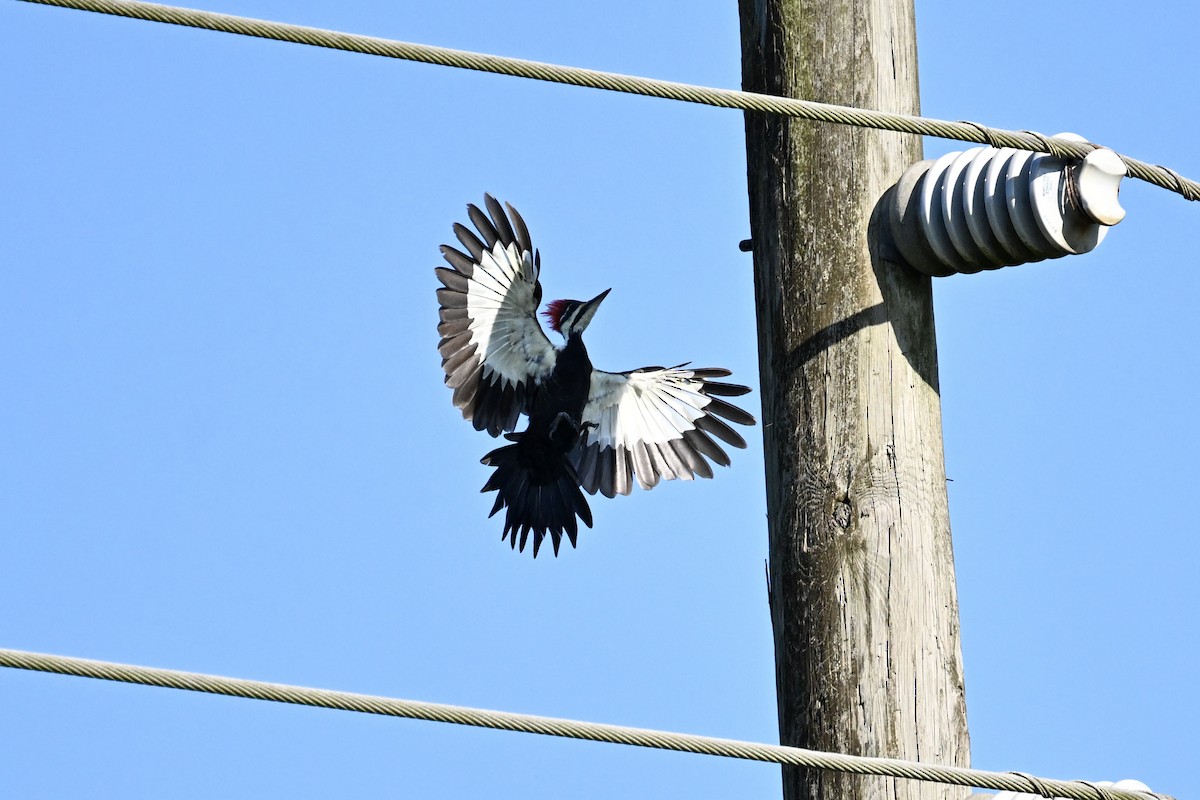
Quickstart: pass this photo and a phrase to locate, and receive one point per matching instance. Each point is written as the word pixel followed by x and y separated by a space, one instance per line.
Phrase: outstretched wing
pixel 655 423
pixel 494 350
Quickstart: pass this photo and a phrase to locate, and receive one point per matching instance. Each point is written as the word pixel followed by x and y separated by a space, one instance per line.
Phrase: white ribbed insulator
pixel 986 208
pixel 1128 783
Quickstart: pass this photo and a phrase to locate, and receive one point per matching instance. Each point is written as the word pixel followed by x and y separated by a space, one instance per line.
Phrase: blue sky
pixel 225 445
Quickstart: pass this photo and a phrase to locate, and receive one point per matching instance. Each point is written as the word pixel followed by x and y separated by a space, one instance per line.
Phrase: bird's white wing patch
pixel 494 351
pixel 655 424
pixel 501 301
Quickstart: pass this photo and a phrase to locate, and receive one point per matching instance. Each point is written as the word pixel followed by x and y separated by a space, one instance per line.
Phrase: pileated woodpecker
pixel 588 430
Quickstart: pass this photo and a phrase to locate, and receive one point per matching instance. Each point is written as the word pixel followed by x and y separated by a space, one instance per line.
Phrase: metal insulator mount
pixel 987 208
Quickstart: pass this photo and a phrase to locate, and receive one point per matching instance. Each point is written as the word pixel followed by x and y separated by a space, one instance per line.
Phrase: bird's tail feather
pixel 542 501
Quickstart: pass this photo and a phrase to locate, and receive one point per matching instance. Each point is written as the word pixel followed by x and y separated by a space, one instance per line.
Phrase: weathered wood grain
pixel 863 598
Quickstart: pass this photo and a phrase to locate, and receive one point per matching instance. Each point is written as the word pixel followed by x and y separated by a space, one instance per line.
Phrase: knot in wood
pixel 842 514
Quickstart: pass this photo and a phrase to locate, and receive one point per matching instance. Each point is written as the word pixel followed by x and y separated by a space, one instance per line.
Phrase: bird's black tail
pixel 540 490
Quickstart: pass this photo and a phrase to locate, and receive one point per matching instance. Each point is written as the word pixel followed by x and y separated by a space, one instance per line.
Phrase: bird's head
pixel 570 317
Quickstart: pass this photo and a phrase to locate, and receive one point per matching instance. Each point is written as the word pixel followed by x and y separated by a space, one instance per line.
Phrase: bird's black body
pixel 559 402
pixel 534 477
pixel 589 430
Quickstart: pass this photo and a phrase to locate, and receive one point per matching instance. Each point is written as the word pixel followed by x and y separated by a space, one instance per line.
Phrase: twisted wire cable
pixel 723 98
pixel 572 729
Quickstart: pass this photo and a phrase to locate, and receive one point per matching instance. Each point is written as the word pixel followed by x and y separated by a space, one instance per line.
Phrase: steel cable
pixel 723 98
pixel 549 726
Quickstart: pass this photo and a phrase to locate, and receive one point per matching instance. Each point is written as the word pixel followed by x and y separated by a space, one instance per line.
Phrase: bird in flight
pixel 589 430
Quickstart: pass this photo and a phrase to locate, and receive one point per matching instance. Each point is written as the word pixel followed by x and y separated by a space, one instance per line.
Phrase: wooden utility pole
pixel 862 594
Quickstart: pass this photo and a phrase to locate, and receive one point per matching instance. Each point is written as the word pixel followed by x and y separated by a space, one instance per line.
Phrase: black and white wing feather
pixel 655 423
pixel 493 348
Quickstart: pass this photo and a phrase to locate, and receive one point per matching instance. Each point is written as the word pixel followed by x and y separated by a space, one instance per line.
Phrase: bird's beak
pixel 589 310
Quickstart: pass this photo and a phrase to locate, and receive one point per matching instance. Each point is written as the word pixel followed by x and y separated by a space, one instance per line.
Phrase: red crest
pixel 553 313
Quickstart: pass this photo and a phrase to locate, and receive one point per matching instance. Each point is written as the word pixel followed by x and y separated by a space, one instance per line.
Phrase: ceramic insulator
pixel 986 208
